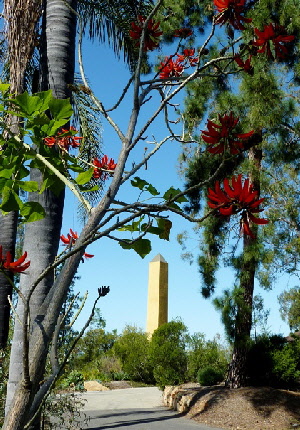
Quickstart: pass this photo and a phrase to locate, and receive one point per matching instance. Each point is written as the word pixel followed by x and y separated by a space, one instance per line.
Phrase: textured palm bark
pixel 8 230
pixel 41 238
pixel 236 377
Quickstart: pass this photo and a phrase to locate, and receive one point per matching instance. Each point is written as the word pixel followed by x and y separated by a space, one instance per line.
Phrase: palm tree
pixel 21 19
pixel 41 239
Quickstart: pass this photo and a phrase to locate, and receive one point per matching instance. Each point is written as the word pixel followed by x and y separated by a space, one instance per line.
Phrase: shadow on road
pixel 129 418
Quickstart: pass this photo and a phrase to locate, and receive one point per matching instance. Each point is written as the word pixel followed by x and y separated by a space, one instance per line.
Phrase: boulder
pixel 94 386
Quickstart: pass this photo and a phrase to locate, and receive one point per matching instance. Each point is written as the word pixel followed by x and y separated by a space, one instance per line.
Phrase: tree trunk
pixel 8 230
pixel 41 238
pixel 237 369
pixel 21 17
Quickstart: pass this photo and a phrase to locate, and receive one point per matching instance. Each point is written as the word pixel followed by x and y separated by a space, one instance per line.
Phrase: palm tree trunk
pixel 21 17
pixel 41 238
pixel 8 230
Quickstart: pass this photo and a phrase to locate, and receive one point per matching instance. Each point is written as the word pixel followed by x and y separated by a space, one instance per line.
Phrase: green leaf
pixel 140 246
pixel 165 226
pixel 134 226
pixel 60 108
pixel 10 200
pixel 144 186
pixel 53 126
pixel 172 192
pixel 6 173
pixel 4 88
pixel 27 103
pixel 32 211
pixel 84 177
pixel 89 189
pixel 29 186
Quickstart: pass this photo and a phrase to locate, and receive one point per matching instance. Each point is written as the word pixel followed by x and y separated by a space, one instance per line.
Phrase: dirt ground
pixel 251 408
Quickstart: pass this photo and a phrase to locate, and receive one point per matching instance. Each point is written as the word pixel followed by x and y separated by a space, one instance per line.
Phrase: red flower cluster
pixel 103 167
pixel 221 137
pixel 70 240
pixel 64 141
pixel 170 68
pixel 17 266
pixel 231 11
pixel 152 33
pixel 188 57
pixel 276 34
pixel 245 65
pixel 183 32
pixel 235 198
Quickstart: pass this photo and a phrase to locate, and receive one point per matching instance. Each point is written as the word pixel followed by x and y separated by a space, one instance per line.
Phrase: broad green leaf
pixel 7 173
pixel 28 103
pixel 10 200
pixel 32 211
pixel 140 246
pixel 134 226
pixel 47 182
pixel 61 108
pixel 53 126
pixel 165 226
pixel 4 88
pixel 84 177
pixel 172 192
pixel 144 186
pixel 29 186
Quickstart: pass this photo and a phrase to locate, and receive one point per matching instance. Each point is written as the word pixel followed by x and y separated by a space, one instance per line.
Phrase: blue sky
pixel 123 270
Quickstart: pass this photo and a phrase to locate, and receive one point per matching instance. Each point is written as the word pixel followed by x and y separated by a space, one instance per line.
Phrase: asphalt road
pixel 133 409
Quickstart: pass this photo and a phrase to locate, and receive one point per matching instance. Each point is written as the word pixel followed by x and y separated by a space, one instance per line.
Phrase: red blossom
pixel 183 32
pixel 70 241
pixel 222 137
pixel 17 266
pixel 152 33
pixel 103 167
pixel 231 11
pixel 277 35
pixel 63 140
pixel 188 56
pixel 170 68
pixel 245 65
pixel 88 255
pixel 236 197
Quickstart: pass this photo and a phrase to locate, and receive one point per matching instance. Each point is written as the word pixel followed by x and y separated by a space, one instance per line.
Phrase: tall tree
pixel 57 62
pixel 258 85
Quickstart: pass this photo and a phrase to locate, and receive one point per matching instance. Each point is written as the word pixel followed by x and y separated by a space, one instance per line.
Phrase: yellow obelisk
pixel 157 312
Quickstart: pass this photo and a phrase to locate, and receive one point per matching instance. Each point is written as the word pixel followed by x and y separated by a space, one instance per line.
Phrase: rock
pixel 94 386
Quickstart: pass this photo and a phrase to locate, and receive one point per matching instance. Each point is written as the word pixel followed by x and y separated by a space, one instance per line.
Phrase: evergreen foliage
pixel 168 354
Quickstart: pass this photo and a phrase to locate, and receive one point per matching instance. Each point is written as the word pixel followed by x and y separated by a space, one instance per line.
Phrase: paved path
pixel 134 409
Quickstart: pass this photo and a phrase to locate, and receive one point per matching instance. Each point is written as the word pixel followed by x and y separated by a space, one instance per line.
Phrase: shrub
pixel 279 362
pixel 202 354
pixel 168 355
pixel 74 379
pixel 132 348
pixel 210 376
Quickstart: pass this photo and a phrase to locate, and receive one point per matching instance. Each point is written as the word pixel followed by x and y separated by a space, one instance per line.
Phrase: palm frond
pixel 87 120
pixel 110 22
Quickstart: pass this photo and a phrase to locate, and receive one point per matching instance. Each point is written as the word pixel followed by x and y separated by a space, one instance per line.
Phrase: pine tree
pixel 260 96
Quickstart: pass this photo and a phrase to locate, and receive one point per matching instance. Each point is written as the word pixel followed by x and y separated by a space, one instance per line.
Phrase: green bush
pixel 132 349
pixel 203 353
pixel 74 379
pixel 279 362
pixel 210 376
pixel 168 355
